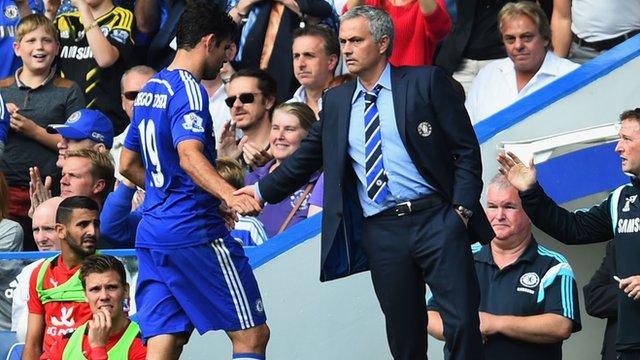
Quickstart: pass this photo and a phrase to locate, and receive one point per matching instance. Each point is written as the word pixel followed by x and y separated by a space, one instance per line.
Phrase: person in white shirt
pixel 44 234
pixel 316 52
pixel 531 64
pixel 584 29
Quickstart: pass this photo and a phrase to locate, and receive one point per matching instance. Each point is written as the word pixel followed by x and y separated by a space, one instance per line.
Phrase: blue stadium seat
pixel 15 353
pixel 7 339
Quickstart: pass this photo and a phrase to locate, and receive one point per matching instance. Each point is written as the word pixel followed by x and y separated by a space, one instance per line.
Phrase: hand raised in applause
pixel 254 156
pixel 19 123
pixel 227 146
pixel 38 192
pixel 522 177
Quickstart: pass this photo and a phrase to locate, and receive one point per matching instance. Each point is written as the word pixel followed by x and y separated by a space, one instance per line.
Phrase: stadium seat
pixel 7 340
pixel 15 352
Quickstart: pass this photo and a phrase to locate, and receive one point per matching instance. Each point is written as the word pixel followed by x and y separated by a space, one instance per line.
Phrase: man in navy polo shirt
pixel 529 301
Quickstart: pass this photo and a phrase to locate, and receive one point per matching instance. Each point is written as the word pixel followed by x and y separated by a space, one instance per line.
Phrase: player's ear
pixel 61 231
pixel 210 42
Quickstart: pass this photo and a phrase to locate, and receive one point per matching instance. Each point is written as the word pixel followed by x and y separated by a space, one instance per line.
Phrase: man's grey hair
pixel 380 23
pixel 140 69
pixel 499 181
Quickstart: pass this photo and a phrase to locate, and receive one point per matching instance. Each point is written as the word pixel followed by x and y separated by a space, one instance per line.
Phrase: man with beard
pixel 56 299
pixel 184 249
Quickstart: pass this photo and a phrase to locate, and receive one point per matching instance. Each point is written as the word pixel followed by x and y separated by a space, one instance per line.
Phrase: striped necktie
pixel 377 188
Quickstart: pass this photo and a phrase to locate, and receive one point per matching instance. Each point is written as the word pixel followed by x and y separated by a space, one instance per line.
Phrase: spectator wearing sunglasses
pixel 121 213
pixel 251 98
pixel 130 84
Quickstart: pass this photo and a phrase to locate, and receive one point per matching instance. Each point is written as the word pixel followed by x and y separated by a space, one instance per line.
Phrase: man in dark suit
pixel 402 186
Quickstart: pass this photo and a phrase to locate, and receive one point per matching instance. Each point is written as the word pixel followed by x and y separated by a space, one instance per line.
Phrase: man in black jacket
pixel 601 300
pixel 617 217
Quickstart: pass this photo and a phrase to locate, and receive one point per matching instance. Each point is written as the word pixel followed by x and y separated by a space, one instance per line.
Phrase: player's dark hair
pixel 66 207
pixel 200 19
pixel 100 264
pixel 266 83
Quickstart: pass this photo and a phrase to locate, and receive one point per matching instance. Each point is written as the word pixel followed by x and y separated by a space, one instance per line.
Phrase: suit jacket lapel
pixel 399 91
pixel 344 116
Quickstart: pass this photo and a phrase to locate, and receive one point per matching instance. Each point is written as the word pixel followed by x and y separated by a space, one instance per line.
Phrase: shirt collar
pixel 384 81
pixel 529 254
pixel 300 95
pixel 549 66
pixel 52 73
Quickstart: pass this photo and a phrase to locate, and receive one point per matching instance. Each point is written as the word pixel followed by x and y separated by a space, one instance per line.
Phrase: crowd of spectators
pixel 72 73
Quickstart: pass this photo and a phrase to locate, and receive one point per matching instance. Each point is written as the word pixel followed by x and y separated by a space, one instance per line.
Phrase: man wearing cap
pixel 84 129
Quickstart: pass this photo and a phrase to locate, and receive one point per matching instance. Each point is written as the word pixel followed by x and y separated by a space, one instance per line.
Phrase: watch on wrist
pixel 466 213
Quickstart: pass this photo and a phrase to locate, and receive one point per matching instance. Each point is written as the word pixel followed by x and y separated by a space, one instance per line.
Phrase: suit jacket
pixel 448 158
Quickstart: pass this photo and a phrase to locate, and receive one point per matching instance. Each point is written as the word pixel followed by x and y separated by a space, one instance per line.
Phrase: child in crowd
pixel 35 97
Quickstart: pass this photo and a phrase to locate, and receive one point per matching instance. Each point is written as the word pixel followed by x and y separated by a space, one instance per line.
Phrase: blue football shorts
pixel 209 286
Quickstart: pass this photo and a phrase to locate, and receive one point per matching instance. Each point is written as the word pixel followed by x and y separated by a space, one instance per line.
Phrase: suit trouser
pixel 429 246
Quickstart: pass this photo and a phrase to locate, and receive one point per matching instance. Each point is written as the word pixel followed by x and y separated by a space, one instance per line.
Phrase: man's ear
pixel 333 62
pixel 210 42
pixel 126 290
pixel 100 147
pixel 384 44
pixel 99 186
pixel 270 102
pixel 16 47
pixel 61 232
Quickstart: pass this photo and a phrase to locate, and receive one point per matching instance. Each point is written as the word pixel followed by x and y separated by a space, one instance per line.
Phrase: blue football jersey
pixel 173 107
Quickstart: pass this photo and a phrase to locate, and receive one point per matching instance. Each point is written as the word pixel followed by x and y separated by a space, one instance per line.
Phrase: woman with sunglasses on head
pixel 289 126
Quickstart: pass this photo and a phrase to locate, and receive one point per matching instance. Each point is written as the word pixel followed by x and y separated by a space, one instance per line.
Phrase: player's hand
pixel 245 205
pixel 251 200
pixel 99 327
pixel 254 156
pixel 138 199
pixel 229 216
pixel 227 146
pixel 488 324
pixel 631 286
pixel 38 192
pixel 522 177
